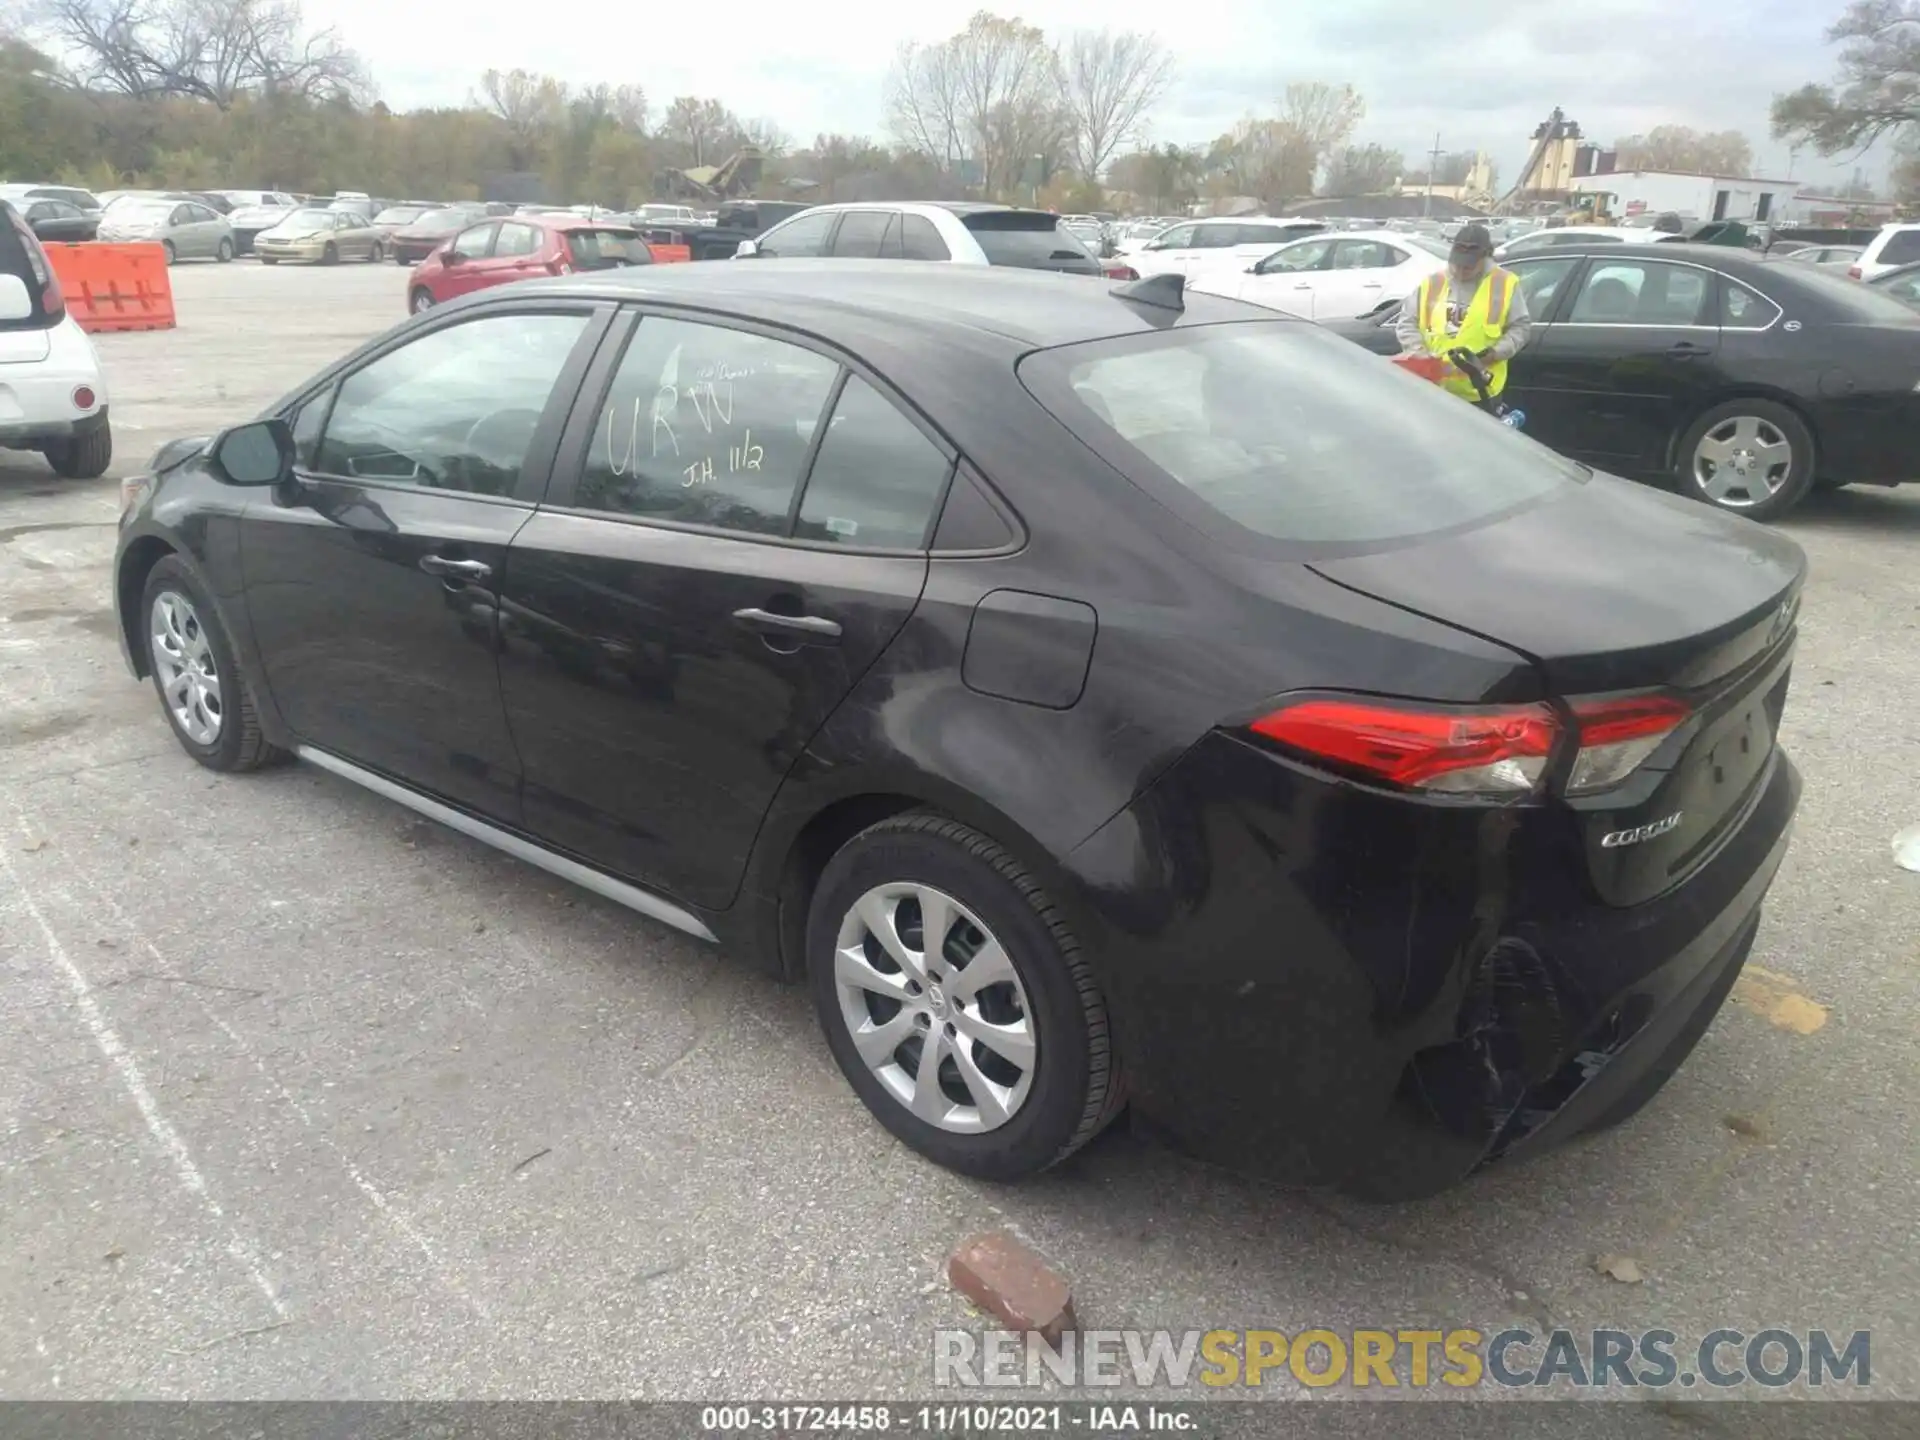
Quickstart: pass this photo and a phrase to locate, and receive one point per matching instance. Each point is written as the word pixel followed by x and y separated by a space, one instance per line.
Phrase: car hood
pixel 293 232
pixel 1607 585
pixel 132 227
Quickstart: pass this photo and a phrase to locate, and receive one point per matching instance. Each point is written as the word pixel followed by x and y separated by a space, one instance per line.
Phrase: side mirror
pixel 451 256
pixel 15 301
pixel 745 250
pixel 260 453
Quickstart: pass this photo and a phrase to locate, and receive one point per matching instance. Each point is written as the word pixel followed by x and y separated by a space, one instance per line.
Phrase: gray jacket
pixel 1511 342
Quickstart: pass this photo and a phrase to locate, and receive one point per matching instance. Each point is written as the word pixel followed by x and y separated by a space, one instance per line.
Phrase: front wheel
pixel 1752 457
pixel 957 1001
pixel 225 252
pixel 378 253
pixel 195 674
pixel 82 457
pixel 330 255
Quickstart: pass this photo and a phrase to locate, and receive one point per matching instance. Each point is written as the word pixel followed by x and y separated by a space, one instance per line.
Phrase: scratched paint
pixel 1776 999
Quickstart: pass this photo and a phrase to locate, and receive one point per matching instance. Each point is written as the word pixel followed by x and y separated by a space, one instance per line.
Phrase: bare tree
pixel 1008 93
pixel 1877 92
pixel 923 104
pixel 1362 170
pixel 1679 147
pixel 1321 116
pixel 1113 79
pixel 212 50
pixel 706 128
pixel 531 106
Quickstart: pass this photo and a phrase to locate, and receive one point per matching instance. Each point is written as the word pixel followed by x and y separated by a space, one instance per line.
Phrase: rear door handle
pixel 768 623
pixel 455 569
pixel 1686 348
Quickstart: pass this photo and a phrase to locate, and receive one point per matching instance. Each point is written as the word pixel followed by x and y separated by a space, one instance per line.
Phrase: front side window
pixel 877 479
pixel 706 426
pixel 802 235
pixel 454 410
pixel 1180 237
pixel 1291 434
pixel 473 243
pixel 1540 282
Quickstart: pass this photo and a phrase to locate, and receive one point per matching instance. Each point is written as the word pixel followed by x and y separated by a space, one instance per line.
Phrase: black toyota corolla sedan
pixel 1097 695
pixel 1743 382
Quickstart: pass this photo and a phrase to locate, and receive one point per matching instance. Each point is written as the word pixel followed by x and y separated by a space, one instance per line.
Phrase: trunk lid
pixel 1617 588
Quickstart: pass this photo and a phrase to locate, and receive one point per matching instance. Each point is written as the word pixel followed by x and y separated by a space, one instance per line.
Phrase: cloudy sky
pixel 1481 74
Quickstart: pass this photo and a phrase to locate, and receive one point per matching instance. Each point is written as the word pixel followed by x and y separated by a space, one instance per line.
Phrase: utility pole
pixel 1433 164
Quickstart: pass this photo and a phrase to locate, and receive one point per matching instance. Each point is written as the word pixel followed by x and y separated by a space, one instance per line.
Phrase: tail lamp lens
pixel 1451 750
pixel 1475 750
pixel 1617 736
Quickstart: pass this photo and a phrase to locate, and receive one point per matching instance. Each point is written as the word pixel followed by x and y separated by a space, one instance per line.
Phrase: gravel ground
pixel 303 1097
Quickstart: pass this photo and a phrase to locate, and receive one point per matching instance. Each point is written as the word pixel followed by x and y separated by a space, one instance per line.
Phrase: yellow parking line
pixel 1776 999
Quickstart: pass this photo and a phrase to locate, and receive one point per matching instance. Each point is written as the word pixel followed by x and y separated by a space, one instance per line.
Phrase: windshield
pixel 606 249
pixel 307 220
pixel 399 214
pixel 443 220
pixel 145 212
pixel 1291 433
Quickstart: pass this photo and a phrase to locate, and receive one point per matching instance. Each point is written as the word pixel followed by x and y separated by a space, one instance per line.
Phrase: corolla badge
pixel 1641 832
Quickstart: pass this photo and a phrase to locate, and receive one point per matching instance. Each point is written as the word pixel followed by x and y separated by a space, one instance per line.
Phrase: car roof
pixel 903 301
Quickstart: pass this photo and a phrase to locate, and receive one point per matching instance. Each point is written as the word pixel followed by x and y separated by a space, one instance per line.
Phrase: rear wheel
pixel 195 674
pixel 1752 457
pixel 956 1000
pixel 421 301
pixel 166 250
pixel 81 457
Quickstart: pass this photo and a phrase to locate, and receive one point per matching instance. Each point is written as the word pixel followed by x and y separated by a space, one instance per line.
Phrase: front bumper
pixel 305 251
pixel 1329 989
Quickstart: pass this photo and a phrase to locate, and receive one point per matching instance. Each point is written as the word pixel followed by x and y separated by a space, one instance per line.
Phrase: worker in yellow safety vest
pixel 1471 305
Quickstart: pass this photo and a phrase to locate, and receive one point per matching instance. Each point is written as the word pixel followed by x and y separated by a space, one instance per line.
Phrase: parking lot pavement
pixel 302 1096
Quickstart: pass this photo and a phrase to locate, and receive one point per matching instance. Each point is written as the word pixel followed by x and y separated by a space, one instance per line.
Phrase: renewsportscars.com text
pixel 1403 1358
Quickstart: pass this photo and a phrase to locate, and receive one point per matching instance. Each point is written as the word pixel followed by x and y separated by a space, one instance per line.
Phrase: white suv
pixel 52 396
pixel 958 232
pixel 1894 246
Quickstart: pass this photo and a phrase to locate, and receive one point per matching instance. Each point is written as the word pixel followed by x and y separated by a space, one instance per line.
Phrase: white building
pixel 1694 197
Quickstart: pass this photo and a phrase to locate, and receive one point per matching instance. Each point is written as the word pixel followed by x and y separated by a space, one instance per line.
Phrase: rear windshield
pixel 1902 247
pixel 606 249
pixel 1031 241
pixel 22 257
pixel 1292 434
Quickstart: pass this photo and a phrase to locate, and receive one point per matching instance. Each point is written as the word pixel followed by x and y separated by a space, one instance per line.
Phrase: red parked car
pixel 520 247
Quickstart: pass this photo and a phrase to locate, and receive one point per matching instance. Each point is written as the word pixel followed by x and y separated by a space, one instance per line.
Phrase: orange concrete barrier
pixel 115 287
pixel 670 254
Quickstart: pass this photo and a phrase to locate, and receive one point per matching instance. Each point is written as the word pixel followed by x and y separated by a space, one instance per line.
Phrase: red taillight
pixel 53 300
pixel 1853 272
pixel 83 397
pixel 1617 735
pixel 1116 271
pixel 1457 750
pixel 1475 750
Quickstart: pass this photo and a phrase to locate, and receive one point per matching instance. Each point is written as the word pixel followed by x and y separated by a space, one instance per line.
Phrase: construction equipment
pixel 1591 207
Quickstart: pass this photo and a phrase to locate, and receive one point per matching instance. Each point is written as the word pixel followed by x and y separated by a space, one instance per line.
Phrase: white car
pixel 956 232
pixel 1536 241
pixel 52 396
pixel 1894 246
pixel 1338 276
pixel 1196 246
pixel 1130 235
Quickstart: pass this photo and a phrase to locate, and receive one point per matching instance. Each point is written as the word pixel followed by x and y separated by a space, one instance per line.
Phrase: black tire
pixel 330 255
pixel 1077 1086
pixel 1767 416
pixel 84 457
pixel 225 252
pixel 377 254
pixel 167 250
pixel 239 744
pixel 420 301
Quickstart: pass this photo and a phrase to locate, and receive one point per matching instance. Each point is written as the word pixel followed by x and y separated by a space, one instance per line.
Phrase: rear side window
pixel 1744 309
pixel 1902 247
pixel 1288 433
pixel 920 241
pixel 1030 241
pixel 517 240
pixel 861 234
pixel 606 249
pixel 877 479
pixel 706 426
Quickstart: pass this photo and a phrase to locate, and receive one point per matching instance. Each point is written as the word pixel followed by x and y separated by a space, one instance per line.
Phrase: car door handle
pixel 455 569
pixel 1686 347
pixel 768 623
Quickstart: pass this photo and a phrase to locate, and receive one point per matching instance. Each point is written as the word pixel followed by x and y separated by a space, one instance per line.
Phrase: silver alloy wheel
pixel 183 657
pixel 422 301
pixel 935 1008
pixel 1742 462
